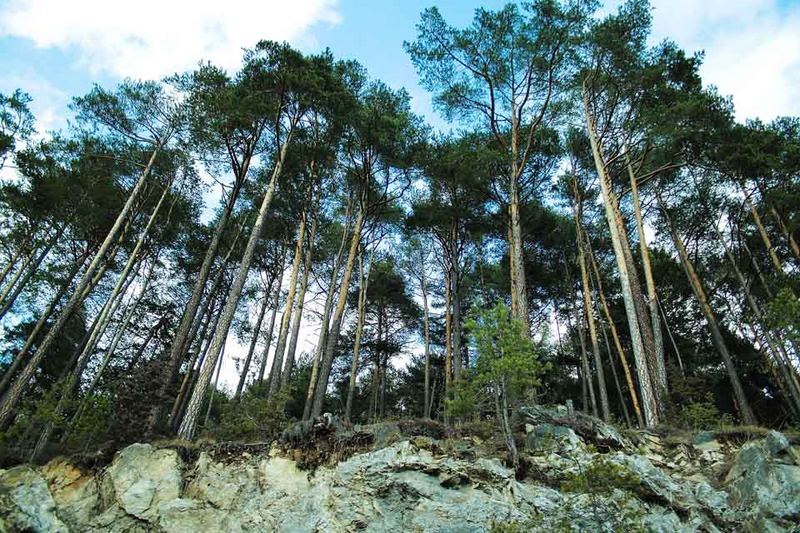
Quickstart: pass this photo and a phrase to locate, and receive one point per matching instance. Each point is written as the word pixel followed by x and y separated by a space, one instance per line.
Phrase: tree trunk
pixel 764 236
pixel 253 343
pixel 659 370
pixel 178 349
pixel 271 330
pixel 190 420
pixel 123 277
pixel 190 378
pixel 456 320
pixel 794 393
pixel 426 327
pixel 299 304
pixel 515 246
pixel 448 332
pixel 650 404
pixel 741 400
pixel 587 372
pixel 14 393
pixel 336 324
pixel 362 297
pixel 615 375
pixel 326 316
pixel 9 299
pixel 511 269
pixel 22 354
pixel 127 316
pixel 588 307
pixel 615 336
pixel 275 378
pixel 12 261
pixel 213 391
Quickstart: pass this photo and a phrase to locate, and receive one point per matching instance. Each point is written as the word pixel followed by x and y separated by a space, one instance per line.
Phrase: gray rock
pixel 416 484
pixel 142 477
pixel 759 479
pixel 26 503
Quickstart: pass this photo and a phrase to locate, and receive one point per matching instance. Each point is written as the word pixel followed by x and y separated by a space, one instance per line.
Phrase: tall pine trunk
pixel 362 300
pixel 189 421
pixel 15 391
pixel 738 391
pixel 336 321
pixel 299 305
pixel 659 370
pixel 648 395
pixel 275 378
pixel 253 342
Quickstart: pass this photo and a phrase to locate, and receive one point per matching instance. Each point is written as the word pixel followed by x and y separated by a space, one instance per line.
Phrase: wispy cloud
pixel 752 49
pixel 154 38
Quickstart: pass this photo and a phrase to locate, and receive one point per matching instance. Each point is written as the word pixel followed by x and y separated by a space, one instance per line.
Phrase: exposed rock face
pixel 419 483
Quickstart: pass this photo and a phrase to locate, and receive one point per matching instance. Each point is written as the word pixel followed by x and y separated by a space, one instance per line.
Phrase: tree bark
pixel 271 330
pixel 275 378
pixel 794 393
pixel 649 401
pixel 178 349
pixel 252 348
pixel 189 421
pixel 299 304
pixel 15 391
pixel 43 317
pixel 426 327
pixel 336 324
pixel 588 306
pixel 362 298
pixel 9 299
pixel 738 391
pixel 659 370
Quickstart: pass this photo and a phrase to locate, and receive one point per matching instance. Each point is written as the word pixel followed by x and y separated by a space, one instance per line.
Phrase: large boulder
pixel 74 491
pixel 765 476
pixel 26 503
pixel 142 477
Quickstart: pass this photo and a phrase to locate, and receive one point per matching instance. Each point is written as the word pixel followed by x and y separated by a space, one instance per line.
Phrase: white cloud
pixel 752 49
pixel 154 38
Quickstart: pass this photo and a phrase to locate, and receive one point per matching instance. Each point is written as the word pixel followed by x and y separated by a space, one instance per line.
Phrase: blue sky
pixel 56 49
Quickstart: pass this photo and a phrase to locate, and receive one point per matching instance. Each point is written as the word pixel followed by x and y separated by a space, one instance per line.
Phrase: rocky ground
pixel 579 474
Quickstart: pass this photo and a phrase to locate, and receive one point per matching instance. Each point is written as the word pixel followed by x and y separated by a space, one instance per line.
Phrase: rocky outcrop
pixel 581 475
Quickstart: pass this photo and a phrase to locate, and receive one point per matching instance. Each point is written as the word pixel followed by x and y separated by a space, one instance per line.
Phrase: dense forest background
pixel 596 228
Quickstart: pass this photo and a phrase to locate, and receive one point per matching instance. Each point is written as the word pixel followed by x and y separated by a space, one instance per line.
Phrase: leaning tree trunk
pixel 178 348
pixel 738 391
pixel 659 370
pixel 588 308
pixel 195 364
pixel 277 360
pixel 253 342
pixel 587 372
pixel 14 393
pixel 123 277
pixel 12 297
pixel 299 304
pixel 22 354
pixel 649 399
pixel 189 421
pixel 336 323
pixel 362 300
pixel 426 327
pixel 794 393
pixel 326 316
pixel 271 329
